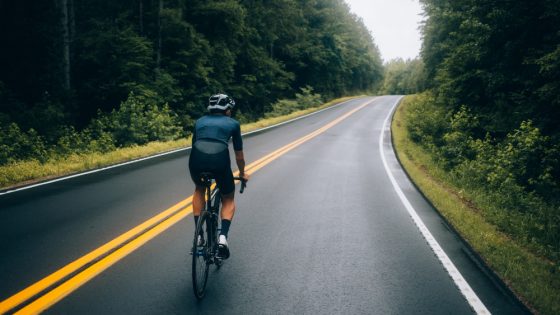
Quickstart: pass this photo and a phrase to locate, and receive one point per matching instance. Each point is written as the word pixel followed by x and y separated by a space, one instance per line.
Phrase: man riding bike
pixel 210 154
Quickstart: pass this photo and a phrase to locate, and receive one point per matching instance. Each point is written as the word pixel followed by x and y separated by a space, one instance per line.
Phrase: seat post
pixel 207 180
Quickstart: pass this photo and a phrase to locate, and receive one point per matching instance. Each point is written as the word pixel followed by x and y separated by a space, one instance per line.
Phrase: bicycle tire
pixel 201 255
pixel 216 201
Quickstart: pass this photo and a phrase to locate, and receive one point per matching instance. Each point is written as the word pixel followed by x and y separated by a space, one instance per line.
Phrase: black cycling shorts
pixel 212 157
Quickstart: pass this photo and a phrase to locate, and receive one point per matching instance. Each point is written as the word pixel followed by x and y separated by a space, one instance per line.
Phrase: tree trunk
pixel 158 57
pixel 72 33
pixel 141 16
pixel 72 25
pixel 64 22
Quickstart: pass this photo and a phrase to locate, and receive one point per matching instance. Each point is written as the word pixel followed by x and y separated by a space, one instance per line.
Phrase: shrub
pixel 457 142
pixel 138 121
pixel 103 143
pixel 305 99
pixel 525 157
pixel 283 107
pixel 427 122
pixel 71 141
pixel 515 184
pixel 512 179
pixel 16 144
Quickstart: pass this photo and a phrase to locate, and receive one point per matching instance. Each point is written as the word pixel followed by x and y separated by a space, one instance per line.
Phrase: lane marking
pixel 469 294
pixel 74 266
pixel 301 117
pixel 9 191
pixel 78 280
pixel 95 262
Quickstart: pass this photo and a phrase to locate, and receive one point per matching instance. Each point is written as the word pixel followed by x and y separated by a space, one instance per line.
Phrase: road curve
pixel 320 229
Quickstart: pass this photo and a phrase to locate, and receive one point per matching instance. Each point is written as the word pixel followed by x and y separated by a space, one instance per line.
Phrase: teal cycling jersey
pixel 219 128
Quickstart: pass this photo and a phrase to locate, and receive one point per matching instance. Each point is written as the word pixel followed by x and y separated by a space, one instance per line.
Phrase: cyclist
pixel 210 154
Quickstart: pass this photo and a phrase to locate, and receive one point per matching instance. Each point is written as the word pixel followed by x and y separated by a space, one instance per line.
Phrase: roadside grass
pixel 266 122
pixel 534 279
pixel 32 171
pixel 27 172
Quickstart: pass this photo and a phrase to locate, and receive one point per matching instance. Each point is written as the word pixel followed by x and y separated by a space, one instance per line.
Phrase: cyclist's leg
pixel 198 201
pixel 196 166
pixel 228 206
pixel 227 188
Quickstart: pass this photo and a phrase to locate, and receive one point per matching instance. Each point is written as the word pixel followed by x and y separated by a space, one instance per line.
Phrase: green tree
pixel 66 60
pixel 404 77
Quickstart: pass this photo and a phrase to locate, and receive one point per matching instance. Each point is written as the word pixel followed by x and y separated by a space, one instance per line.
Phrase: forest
pixel 92 76
pixel 489 118
pixel 402 77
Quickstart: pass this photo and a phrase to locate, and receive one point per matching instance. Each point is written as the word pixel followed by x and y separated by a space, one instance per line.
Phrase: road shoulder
pixel 513 267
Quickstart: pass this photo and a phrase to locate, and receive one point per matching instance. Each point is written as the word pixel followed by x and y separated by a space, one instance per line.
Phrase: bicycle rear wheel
pixel 201 255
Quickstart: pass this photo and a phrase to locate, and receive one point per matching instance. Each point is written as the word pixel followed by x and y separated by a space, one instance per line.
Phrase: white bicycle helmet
pixel 220 102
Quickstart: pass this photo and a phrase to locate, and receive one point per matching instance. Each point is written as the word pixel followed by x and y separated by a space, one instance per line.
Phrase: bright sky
pixel 394 25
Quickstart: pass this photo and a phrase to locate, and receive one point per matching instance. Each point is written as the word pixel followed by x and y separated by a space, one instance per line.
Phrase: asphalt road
pixel 320 229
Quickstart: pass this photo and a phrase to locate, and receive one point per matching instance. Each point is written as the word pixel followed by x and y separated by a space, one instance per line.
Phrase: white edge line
pixel 159 155
pixel 90 172
pixel 453 272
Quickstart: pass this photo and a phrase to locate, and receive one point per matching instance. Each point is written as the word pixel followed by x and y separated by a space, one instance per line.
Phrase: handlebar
pixel 243 183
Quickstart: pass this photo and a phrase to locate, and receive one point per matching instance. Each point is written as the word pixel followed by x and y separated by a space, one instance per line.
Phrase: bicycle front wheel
pixel 201 255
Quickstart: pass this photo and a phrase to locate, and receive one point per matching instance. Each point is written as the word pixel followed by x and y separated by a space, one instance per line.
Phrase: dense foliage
pixel 403 77
pixel 303 100
pixel 511 180
pixel 491 116
pixel 68 67
pixel 499 58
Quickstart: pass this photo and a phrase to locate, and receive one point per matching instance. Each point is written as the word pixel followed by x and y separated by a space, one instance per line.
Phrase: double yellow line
pixel 59 284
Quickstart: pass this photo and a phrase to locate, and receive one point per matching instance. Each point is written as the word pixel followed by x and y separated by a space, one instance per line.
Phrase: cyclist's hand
pixel 245 177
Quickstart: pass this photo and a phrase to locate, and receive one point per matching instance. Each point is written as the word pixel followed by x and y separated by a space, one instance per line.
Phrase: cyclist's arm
pixel 238 149
pixel 240 160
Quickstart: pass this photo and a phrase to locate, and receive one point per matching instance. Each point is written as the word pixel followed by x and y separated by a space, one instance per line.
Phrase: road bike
pixel 205 252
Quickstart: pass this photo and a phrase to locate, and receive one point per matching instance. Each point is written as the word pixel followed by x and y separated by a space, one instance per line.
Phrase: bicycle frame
pixel 208 251
pixel 212 196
